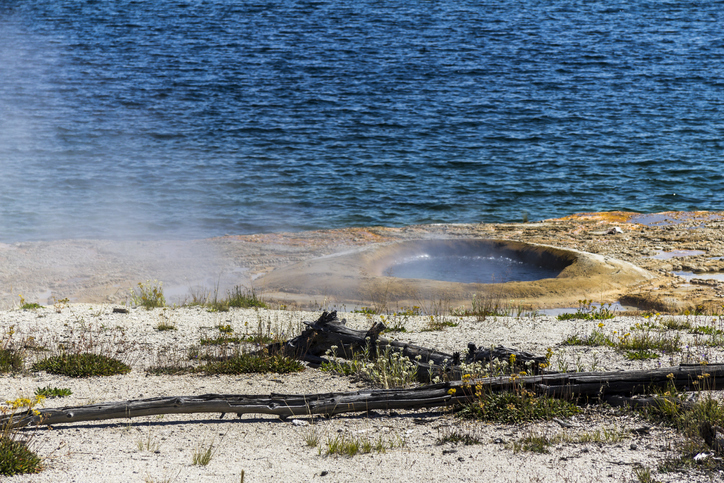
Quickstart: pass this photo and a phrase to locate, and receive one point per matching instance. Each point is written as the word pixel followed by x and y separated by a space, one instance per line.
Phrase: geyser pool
pixel 469 269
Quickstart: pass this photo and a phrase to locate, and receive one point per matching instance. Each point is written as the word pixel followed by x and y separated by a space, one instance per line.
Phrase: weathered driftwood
pixel 598 385
pixel 313 344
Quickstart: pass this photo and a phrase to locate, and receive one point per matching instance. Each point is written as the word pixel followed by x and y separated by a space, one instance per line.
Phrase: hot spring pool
pixel 469 269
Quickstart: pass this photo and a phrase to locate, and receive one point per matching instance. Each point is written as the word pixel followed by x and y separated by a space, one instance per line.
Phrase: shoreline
pixel 103 271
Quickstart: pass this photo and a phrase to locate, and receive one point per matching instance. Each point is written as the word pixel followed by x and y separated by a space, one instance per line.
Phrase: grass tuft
pixel 202 456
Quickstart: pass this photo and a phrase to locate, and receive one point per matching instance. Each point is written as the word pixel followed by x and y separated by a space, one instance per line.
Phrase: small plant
pixel 164 326
pixel 311 436
pixel 50 392
pixel 641 355
pixel 148 295
pixel 60 304
pixel 149 444
pixel 28 305
pixel 643 475
pixel 165 322
pixel 245 298
pixel 394 323
pixel 259 339
pixel 82 365
pixel 16 458
pixel 202 456
pixel 587 311
pixel 439 323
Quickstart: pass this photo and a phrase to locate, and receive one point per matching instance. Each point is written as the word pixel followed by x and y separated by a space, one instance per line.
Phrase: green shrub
pixel 10 360
pixel 16 458
pixel 82 365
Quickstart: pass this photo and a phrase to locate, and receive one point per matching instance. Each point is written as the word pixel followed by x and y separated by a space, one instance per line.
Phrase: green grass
pixel 647 341
pixel 53 392
pixel 596 339
pixel 82 365
pixel 10 361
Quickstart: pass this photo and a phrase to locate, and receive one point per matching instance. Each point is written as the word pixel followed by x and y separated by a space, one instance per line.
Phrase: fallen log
pixel 595 385
pixel 315 343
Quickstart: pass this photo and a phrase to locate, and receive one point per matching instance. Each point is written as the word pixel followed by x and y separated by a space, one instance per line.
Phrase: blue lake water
pixel 192 119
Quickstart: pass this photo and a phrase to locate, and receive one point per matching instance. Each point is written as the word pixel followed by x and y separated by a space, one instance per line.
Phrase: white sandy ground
pixel 269 449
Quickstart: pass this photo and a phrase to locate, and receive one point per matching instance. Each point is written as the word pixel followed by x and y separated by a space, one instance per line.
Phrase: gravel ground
pixel 161 448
